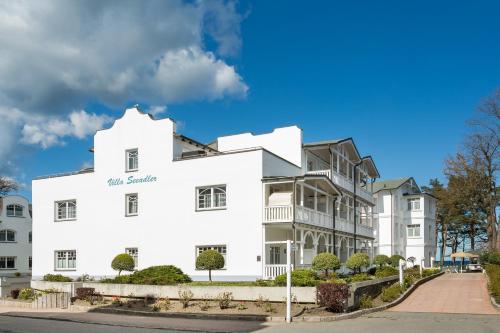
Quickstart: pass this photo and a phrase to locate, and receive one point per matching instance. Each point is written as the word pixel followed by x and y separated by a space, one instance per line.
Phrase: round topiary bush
pixel 209 260
pixel 326 261
pixel 385 272
pixel 395 260
pixel 358 261
pixel 123 262
pixel 155 275
pixel 300 278
pixel 382 260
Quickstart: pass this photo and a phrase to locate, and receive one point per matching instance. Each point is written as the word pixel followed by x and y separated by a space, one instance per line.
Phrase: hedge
pixel 155 275
pixel 332 296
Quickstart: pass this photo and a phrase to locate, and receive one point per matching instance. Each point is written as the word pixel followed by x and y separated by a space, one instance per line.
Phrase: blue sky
pixel 400 78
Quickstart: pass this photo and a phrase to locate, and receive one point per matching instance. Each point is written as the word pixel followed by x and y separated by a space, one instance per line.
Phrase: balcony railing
pixel 321 172
pixel 272 271
pixel 277 214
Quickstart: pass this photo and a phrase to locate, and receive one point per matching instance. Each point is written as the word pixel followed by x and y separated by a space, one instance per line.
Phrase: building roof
pixel 389 184
pixel 322 143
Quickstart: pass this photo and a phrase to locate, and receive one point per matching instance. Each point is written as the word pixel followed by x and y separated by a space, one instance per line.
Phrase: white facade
pixel 15 235
pixel 165 198
pixel 405 220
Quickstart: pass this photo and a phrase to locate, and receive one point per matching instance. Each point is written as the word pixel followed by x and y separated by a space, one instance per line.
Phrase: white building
pixel 164 198
pixel 15 235
pixel 404 220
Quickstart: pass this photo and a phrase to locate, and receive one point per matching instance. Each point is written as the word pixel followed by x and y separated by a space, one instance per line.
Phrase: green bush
pixel 209 260
pixel 27 293
pixel 56 278
pixel 300 278
pixel 360 277
pixel 358 261
pixel 395 260
pixel 430 271
pixel 490 258
pixel 385 272
pixel 382 260
pixel 155 275
pixel 325 262
pixel 493 272
pixel 391 293
pixel 366 302
pixel 123 262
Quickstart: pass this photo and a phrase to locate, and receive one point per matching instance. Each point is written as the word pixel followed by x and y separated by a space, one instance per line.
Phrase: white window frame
pixel 66 260
pixel 127 207
pixel 5 259
pixel 413 203
pixel 212 197
pixel 222 249
pixel 6 232
pixel 134 253
pixel 127 159
pixel 16 209
pixel 66 210
pixel 410 231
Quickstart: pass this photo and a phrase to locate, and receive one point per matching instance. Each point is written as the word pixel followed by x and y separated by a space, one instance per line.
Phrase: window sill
pixel 131 215
pixel 132 170
pixel 414 237
pixel 8 242
pixel 8 269
pixel 19 217
pixel 209 209
pixel 65 270
pixel 65 220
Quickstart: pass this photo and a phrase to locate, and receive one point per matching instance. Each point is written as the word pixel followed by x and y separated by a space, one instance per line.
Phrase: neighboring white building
pixel 165 198
pixel 15 235
pixel 405 220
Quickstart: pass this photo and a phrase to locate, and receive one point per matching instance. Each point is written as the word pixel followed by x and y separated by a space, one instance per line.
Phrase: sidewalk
pixel 450 293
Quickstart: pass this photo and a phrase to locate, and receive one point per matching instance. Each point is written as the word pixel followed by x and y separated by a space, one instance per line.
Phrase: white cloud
pixel 157 109
pixel 58 55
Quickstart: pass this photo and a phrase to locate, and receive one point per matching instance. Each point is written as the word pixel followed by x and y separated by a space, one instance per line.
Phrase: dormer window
pixel 15 210
pixel 132 159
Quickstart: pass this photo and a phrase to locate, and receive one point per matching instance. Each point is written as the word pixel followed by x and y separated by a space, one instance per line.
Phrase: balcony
pixel 284 213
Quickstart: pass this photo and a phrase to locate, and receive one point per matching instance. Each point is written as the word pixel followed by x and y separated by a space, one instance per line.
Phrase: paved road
pixel 451 293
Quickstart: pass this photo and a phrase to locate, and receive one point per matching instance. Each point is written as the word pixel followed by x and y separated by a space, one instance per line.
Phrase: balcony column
pixel 301 247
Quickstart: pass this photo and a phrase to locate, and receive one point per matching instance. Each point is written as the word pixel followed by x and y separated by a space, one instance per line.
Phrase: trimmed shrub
pixel 358 261
pixel 123 262
pixel 14 293
pixel 360 277
pixel 325 262
pixel 26 293
pixel 385 272
pixel 493 272
pixel 332 296
pixel 210 260
pixel 56 278
pixel 490 258
pixel 382 260
pixel 391 293
pixel 395 260
pixel 155 275
pixel 430 271
pixel 300 278
pixel 84 293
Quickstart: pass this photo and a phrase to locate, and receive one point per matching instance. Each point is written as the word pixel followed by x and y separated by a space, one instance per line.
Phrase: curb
pixel 494 303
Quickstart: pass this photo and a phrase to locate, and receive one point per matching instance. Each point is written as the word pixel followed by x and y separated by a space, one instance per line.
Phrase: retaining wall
pixel 371 288
pixel 9 283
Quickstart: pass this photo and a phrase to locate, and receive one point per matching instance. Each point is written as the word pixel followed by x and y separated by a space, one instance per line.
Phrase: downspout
pixel 294 194
pixel 392 233
pixel 354 200
pixel 333 224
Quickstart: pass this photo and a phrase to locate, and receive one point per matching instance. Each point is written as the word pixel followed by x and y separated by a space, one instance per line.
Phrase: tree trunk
pixel 443 244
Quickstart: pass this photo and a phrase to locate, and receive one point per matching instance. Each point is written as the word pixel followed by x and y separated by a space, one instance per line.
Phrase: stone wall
pixel 9 283
pixel 371 288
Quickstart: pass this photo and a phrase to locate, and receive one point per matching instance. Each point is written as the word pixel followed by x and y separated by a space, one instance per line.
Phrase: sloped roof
pixel 389 184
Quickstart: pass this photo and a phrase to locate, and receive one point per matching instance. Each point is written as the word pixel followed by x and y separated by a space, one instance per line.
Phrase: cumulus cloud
pixel 58 55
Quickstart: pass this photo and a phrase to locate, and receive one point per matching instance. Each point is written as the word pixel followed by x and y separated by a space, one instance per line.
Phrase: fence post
pixel 401 275
pixel 288 282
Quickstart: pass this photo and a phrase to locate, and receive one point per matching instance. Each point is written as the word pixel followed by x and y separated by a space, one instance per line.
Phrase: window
pixel 211 197
pixel 414 204
pixel 219 248
pixel 65 210
pixel 132 202
pixel 65 260
pixel 7 236
pixel 134 253
pixel 7 262
pixel 413 230
pixel 30 237
pixel 30 262
pixel 274 258
pixel 132 156
pixel 15 210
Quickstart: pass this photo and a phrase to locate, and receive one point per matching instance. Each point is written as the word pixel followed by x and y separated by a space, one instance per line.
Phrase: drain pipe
pixel 294 194
pixel 333 224
pixel 354 199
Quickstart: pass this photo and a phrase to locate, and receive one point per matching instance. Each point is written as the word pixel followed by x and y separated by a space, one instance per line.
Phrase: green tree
pixel 209 260
pixel 358 261
pixel 326 261
pixel 382 260
pixel 123 262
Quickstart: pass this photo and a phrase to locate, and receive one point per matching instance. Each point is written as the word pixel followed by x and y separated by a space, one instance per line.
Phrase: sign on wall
pixel 131 180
